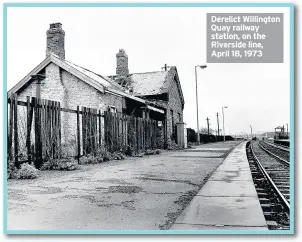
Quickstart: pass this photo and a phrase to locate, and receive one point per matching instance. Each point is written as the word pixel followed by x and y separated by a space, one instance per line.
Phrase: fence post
pixel 78 133
pixel 100 128
pixel 10 127
pixel 16 131
pixel 28 130
pixel 49 131
pixel 37 134
pixel 59 127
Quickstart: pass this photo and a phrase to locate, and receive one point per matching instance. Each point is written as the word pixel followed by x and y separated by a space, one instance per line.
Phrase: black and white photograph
pixel 149 119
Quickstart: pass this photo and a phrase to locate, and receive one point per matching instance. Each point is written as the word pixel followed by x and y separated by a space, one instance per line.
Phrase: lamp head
pixel 202 66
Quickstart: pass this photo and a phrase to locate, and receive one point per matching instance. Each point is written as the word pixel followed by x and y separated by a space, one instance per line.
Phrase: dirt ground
pixel 135 193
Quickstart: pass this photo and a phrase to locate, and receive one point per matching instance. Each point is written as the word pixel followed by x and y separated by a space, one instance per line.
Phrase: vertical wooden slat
pixel 114 133
pixel 100 128
pixel 105 128
pixel 10 127
pixel 122 132
pixel 49 131
pixel 89 131
pixel 16 141
pixel 42 125
pixel 86 123
pixel 138 133
pixel 56 131
pixel 95 128
pixel 53 131
pixel 78 133
pixel 40 130
pixel 84 129
pixel 54 137
pixel 36 134
pixel 59 129
pixel 28 126
pixel 118 131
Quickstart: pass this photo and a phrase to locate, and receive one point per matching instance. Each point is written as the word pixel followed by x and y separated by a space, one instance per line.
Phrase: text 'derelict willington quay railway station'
pixel 240 38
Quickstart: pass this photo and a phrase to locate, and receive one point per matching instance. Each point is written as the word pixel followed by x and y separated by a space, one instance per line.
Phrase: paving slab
pixel 199 154
pixel 228 200
pixel 236 211
pixel 231 175
pixel 209 149
pixel 135 193
pixel 228 188
pixel 218 227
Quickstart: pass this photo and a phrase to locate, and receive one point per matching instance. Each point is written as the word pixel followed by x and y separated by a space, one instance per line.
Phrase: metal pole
pixel 251 131
pixel 197 130
pixel 223 124
pixel 218 126
pixel 38 88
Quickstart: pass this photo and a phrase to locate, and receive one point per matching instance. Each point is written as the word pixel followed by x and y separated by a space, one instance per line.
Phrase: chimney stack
pixel 55 40
pixel 122 63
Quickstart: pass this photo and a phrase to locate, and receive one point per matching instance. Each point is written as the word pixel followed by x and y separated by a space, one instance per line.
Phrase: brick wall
pixel 175 105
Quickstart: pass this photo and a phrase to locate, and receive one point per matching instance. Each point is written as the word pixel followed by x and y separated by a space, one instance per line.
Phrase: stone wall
pixel 70 91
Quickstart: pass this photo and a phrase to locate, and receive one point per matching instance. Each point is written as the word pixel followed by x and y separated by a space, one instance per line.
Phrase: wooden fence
pixel 128 133
pixel 43 129
pixel 44 118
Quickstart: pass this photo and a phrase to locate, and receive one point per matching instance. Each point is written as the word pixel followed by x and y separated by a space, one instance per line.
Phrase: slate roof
pixel 104 81
pixel 101 83
pixel 153 83
pixel 149 83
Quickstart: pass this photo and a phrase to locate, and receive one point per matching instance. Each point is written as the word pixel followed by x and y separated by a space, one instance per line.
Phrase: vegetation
pixel 63 164
pixel 26 171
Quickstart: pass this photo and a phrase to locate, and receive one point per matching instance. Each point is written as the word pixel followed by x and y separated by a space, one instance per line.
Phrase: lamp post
pixel 251 131
pixel 201 67
pixel 223 121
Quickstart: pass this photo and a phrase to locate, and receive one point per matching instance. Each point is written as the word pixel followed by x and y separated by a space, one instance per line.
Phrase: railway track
pixel 276 151
pixel 272 182
pixel 277 146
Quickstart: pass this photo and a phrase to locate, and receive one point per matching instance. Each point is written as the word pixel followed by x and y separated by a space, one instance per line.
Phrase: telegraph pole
pixel 208 125
pixel 218 124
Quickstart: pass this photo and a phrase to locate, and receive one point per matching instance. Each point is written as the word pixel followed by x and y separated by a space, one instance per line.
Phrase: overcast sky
pixel 256 94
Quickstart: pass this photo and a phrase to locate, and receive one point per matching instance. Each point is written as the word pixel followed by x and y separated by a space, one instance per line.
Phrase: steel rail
pixel 277 146
pixel 283 200
pixel 275 156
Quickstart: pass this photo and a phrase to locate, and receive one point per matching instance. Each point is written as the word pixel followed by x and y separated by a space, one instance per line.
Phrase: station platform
pixel 228 200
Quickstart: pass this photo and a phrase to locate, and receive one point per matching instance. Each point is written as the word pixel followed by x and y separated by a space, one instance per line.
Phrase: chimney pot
pixel 55 26
pixel 55 43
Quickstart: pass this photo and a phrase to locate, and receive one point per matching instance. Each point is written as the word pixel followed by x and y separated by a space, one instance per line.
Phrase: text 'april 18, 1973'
pixel 244 37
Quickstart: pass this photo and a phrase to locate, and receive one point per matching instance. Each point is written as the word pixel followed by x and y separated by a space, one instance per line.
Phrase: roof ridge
pixel 110 81
pixel 147 72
